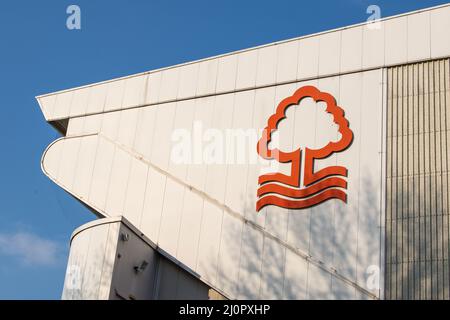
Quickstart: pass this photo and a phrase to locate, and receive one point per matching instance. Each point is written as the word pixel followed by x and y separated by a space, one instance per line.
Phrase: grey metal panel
pixel 417 215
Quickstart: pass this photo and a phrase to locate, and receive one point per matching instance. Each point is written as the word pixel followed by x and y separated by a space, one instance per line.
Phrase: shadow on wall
pixel 254 265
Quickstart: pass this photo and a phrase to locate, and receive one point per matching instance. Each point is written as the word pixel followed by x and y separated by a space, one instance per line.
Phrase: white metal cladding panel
pixel 236 174
pixel 196 172
pixel 229 254
pixel 207 76
pixel 117 182
pixel 351 49
pixel 191 217
pixel 127 127
pixel 296 276
pixel 267 57
pixel 80 102
pixel 135 194
pixel 144 132
pixel 91 259
pixel 250 263
pixel 162 137
pixel 396 42
pixel 407 38
pixel 114 95
pixel 76 262
pixel 440 24
pixel 419 36
pixel 135 88
pixel 97 99
pixel 92 272
pixel 226 74
pixel 171 216
pixel 216 173
pixel 246 70
pixel 85 167
pixel 182 130
pixel 287 61
pixel 272 272
pixel 153 203
pixel 208 248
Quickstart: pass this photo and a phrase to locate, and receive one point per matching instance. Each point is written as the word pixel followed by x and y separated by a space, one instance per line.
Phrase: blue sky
pixel 38 54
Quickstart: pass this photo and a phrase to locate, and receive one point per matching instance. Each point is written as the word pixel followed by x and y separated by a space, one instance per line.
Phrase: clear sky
pixel 38 54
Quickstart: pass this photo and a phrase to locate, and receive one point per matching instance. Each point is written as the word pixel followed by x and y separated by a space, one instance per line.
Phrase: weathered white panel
pixel 229 255
pixel 68 162
pixel 267 57
pixel 396 41
pixel 171 216
pixel 75 267
pixel 250 263
pixel 115 94
pixel 196 172
pixel 272 279
pixel 440 24
pixel 134 200
pixel 369 204
pixel 108 262
pixel 92 124
pixel 329 52
pixel 188 81
pixel 308 58
pixel 287 61
pixel 52 158
pixel 47 105
pixel 208 249
pixel 85 167
pixel 100 177
pixel 319 283
pixel 95 254
pixel 169 84
pixel 373 45
pixel 216 171
pixel 153 203
pixel 97 98
pixel 62 105
pixel 110 124
pixel 75 126
pixel 144 132
pixel 346 215
pixel 238 154
pixel 118 180
pixel 295 277
pixel 419 36
pixel 153 87
pixel 342 290
pixel 207 77
pixel 246 70
pixel 191 217
pixel 127 127
pixel 162 143
pixel 351 49
pixel 226 74
pixel 134 91
pixel 80 101
pixel 182 142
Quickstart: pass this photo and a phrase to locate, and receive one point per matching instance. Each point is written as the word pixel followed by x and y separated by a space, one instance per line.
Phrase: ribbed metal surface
pixel 417 216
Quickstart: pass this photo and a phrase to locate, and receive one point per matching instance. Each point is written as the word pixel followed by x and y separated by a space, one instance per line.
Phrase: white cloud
pixel 29 248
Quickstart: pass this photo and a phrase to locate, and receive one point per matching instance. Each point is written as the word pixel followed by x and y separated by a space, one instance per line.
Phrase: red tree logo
pixel 284 190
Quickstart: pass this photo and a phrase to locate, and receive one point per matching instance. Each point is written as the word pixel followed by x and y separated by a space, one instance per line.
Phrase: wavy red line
pixel 299 204
pixel 302 193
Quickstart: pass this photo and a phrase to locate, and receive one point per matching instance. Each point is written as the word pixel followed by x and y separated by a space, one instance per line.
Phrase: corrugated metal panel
pixel 417 219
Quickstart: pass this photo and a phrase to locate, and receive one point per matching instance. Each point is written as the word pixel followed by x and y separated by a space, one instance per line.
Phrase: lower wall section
pixel 417 217
pixel 110 259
